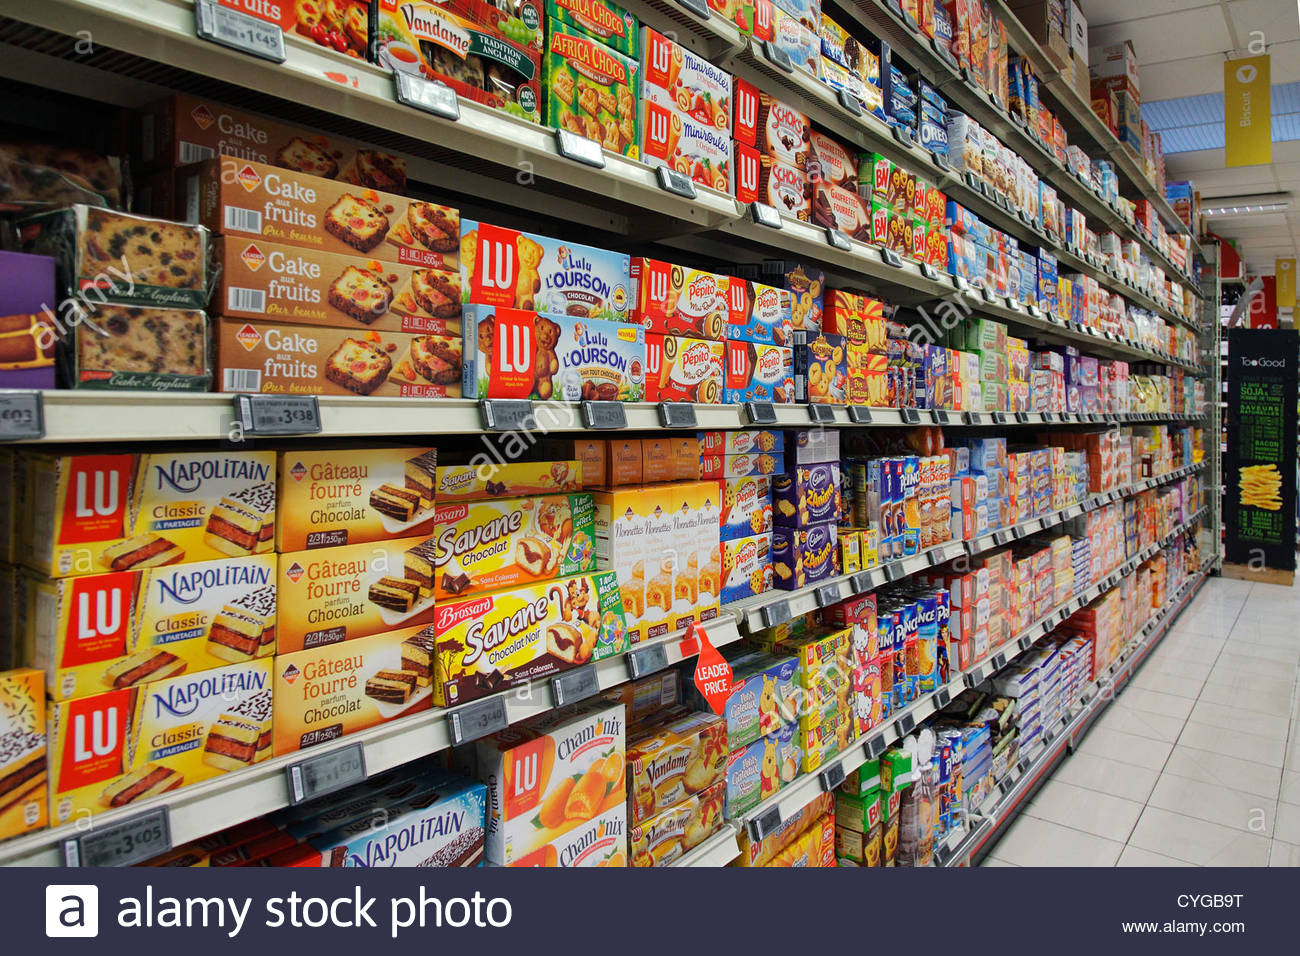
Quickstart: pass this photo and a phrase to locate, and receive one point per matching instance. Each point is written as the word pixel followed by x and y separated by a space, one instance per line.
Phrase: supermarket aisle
pixel 1197 762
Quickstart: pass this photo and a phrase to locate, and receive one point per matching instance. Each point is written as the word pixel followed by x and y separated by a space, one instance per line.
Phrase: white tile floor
pixel 1197 762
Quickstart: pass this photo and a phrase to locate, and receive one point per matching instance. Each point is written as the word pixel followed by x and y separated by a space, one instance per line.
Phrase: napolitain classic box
pixel 111 749
pixel 93 513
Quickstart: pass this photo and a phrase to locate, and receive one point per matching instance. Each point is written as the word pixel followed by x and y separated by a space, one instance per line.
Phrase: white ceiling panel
pixel 1276 19
pixel 1175 36
pixel 1101 12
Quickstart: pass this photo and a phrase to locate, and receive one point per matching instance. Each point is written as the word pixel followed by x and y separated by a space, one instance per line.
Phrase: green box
pixel 607 22
pixel 858 812
pixel 591 89
pixel 895 769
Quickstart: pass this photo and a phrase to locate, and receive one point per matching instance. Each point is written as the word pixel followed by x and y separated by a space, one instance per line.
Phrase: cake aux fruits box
pixel 89 514
pixel 109 631
pixel 109 750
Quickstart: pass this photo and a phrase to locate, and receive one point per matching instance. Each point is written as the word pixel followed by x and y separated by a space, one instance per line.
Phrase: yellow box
pixel 850 551
pixel 551 775
pixel 486 545
pixel 24 774
pixel 487 476
pixel 328 692
pixel 333 497
pixel 88 514
pixel 104 632
pixel 669 762
pixel 341 594
pixel 109 750
pixel 674 832
pixel 492 641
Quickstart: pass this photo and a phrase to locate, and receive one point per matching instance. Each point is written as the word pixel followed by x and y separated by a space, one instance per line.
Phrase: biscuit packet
pixel 591 89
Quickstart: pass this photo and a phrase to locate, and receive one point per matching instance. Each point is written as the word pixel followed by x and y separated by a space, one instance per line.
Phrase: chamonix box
pixel 486 545
pixel 109 750
pixel 331 595
pixel 493 641
pixel 331 497
pixel 239 197
pixel 324 693
pixel 101 632
pixel 87 514
pixel 24 776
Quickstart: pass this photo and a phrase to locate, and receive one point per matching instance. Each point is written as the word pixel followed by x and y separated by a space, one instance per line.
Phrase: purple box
pixel 26 346
pixel 803 556
pixel 806 495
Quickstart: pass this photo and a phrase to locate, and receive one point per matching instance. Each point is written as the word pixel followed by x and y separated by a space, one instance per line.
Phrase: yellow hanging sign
pixel 1284 271
pixel 1247 111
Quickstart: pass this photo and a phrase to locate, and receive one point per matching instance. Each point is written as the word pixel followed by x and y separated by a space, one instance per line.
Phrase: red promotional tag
pixel 712 673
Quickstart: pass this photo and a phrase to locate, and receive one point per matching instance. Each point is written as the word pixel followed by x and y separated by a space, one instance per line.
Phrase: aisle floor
pixel 1197 762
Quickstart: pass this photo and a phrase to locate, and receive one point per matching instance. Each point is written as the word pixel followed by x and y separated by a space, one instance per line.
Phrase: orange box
pixel 626 462
pixel 686 458
pixel 657 463
pixel 24 774
pixel 592 454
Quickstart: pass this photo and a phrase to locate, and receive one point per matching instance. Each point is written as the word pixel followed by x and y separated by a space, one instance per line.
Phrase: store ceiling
pixel 1181 45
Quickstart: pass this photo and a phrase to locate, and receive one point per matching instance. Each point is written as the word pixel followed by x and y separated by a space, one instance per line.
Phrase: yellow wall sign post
pixel 1247 111
pixel 1284 270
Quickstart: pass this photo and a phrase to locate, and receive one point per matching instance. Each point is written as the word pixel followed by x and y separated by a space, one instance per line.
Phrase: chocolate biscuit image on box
pixel 142 551
pixel 142 666
pixel 395 594
pixel 418 654
pixel 391 687
pixel 235 740
pixel 243 522
pixel 400 504
pixel 420 563
pixel 147 781
pixel 22 766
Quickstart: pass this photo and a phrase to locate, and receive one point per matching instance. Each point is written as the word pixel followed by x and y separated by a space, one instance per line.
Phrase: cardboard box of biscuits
pixel 591 89
pixel 24 774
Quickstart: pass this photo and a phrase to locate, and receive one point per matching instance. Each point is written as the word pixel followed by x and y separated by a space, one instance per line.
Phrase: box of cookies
pixel 803 556
pixel 103 632
pixel 109 750
pixel 591 89
pixel 133 347
pixel 327 692
pixel 670 138
pixel 806 285
pixel 521 270
pixel 758 313
pixel 239 197
pixel 820 368
pixel 760 769
pixel 740 442
pixel 467 45
pixel 673 832
pixel 501 639
pixel 24 775
pixel 181 129
pixel 752 464
pixel 670 761
pixel 746 506
pixel 677 79
pixel 602 19
pixel 676 300
pixel 680 369
pixel 89 514
pixel 746 567
pixel 763 695
pixel 334 496
pixel 279 359
pixel 524 354
pixel 485 545
pixel 757 371
pixel 486 477
pixel 806 495
pixel 274 282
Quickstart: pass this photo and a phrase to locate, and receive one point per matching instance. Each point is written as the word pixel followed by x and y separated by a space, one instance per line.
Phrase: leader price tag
pixel 278 414
pixel 238 31
pixel 326 772
pixel 478 719
pixel 22 416
pixel 125 843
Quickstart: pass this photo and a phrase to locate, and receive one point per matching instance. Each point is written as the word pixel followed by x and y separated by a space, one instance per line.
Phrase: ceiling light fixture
pixel 1222 206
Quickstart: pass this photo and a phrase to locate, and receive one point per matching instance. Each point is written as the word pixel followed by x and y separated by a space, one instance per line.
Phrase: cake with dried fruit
pixel 356 222
pixel 360 294
pixel 437 358
pixel 120 346
pixel 358 366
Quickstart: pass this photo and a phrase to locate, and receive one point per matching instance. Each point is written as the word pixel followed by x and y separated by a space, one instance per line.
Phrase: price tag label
pixel 863 581
pixel 672 181
pixel 988 296
pixel 875 746
pixel 940 162
pixel 939 416
pixel 325 773
pixel 478 719
pixel 697 7
pixel 984 188
pixel 22 416
pixel 1023 765
pixel 941 698
pixel 893 571
pixel 677 414
pixel 604 415
pixel 1049 736
pixel 942 855
pixel 1034 311
pixel 436 98
pixel 579 149
pixel 972 418
pixel 278 414
pixel 760 413
pixel 642 661
pixel 777 57
pixel 765 215
pixel 832 777
pixel 125 843
pixel 891 258
pixel 860 414
pixel 507 414
pixel 910 416
pixel 837 240
pixel 906 724
pixel 850 103
pixel 943 54
pixel 1022 417
pixel 821 414
pixel 998 418
pixel 765 823
pixel 999 662
pixel 828 594
pixel 778 612
pixel 929 272
pixel 238 31
pixel 937 555
pixel 575 685
pixel 1026 643
pixel 904 136
pixel 960 283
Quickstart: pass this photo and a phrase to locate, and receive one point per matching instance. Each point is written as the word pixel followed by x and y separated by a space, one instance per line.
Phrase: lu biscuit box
pixel 758 313
pixel 332 497
pixel 591 89
pixel 93 513
pixel 677 300
pixel 492 641
pixel 682 369
pixel 240 197
pixel 324 693
pixel 746 506
pixel 520 270
pixel 340 594
pixel 746 567
pixel 551 776
pixel 109 750
pixel 103 632
pixel 488 477
pixel 24 775
pixel 524 354
pixel 486 545
pixel 758 372
pixel 677 79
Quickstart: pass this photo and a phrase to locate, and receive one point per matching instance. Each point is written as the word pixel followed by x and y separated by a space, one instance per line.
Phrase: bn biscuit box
pixel 112 749
pixel 24 776
pixel 331 595
pixel 101 632
pixel 486 545
pixel 520 270
pixel 680 369
pixel 492 641
pixel 676 300
pixel 487 477
pixel 515 353
pixel 88 514
pixel 553 776
pixel 332 497
pixel 324 693
pixel 238 197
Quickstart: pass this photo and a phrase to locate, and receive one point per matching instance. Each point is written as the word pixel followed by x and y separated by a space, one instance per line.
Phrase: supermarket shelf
pixel 223 801
pixel 710 37
pixel 771 607
pixel 718 850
